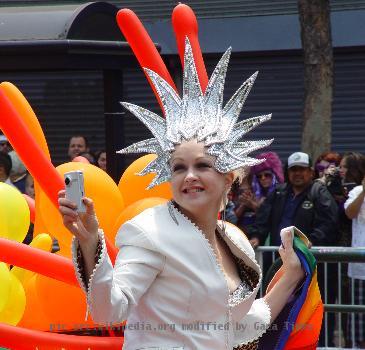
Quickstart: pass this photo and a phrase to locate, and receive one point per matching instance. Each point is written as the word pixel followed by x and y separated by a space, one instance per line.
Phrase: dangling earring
pixel 224 214
pixel 170 206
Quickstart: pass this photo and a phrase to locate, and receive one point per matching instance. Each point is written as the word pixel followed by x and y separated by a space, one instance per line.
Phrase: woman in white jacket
pixel 183 279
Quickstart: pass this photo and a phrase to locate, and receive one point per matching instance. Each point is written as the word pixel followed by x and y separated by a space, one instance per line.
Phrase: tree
pixel 316 39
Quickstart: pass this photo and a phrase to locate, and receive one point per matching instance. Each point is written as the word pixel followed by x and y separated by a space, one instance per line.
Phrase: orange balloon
pixel 133 187
pixel 62 303
pixel 39 226
pixel 100 187
pixel 135 208
pixel 64 250
pixel 33 317
pixel 81 159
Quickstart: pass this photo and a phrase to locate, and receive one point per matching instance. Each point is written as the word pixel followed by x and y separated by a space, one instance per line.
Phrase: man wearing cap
pixel 302 203
pixel 307 205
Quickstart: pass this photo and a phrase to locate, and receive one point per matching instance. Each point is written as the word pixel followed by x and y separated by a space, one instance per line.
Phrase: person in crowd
pixel 5 168
pixel 100 157
pixel 353 170
pixel 351 173
pixel 266 176
pixel 303 203
pixel 89 156
pixel 254 188
pixel 327 171
pixel 245 203
pixel 29 186
pixel 325 161
pixel 18 170
pixel 176 257
pixel 5 146
pixel 77 145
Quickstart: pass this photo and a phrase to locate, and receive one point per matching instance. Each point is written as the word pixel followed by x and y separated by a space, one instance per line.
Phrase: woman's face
pixel 321 167
pixel 102 161
pixel 265 178
pixel 343 168
pixel 196 185
pixel 29 186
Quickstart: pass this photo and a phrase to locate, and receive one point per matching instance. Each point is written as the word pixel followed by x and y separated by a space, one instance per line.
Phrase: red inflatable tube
pixel 37 260
pixel 28 149
pixel 143 47
pixel 25 339
pixel 31 205
pixel 186 25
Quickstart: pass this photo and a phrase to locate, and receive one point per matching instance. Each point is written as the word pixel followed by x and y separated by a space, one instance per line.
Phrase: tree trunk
pixel 315 25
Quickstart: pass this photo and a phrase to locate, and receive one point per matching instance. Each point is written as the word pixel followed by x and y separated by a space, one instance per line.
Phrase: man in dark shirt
pixel 310 207
pixel 302 203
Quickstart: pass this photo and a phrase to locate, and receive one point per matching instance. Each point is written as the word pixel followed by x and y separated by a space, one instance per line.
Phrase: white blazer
pixel 169 286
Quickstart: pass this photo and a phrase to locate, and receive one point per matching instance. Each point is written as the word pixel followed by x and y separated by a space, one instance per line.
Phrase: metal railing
pixel 336 257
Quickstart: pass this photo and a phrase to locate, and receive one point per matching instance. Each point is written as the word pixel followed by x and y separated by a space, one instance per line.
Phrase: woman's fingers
pixel 89 204
pixel 64 202
pixel 287 236
pixel 61 194
pixel 68 211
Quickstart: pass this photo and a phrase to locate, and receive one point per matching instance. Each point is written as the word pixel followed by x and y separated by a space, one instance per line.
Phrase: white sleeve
pixel 353 194
pixel 254 324
pixel 111 292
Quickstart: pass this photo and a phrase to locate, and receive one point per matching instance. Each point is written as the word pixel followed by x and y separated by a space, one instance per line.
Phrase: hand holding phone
pixel 74 181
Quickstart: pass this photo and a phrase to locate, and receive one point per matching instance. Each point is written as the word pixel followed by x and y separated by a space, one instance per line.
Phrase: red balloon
pixel 27 148
pixel 31 205
pixel 37 260
pixel 186 25
pixel 26 339
pixel 143 47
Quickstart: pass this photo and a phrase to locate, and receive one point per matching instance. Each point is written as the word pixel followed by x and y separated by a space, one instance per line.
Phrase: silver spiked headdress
pixel 197 116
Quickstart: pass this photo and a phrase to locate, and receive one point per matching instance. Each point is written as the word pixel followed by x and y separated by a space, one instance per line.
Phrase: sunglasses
pixel 320 167
pixel 264 175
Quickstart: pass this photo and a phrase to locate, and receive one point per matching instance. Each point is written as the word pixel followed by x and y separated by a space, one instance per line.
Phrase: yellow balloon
pixel 14 213
pixel 14 308
pixel 133 187
pixel 100 187
pixel 42 241
pixel 5 280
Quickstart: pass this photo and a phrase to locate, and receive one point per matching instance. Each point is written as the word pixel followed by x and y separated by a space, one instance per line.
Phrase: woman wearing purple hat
pixel 266 175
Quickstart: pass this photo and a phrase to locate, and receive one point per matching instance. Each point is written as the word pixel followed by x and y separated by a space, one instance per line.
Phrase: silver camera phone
pixel 74 181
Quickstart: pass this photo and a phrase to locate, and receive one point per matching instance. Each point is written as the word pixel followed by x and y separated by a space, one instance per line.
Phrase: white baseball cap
pixel 3 138
pixel 299 159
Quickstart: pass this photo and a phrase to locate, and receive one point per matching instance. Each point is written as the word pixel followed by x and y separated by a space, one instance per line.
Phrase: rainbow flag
pixel 298 325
